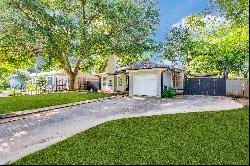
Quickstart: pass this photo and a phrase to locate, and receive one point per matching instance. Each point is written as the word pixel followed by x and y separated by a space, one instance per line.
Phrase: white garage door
pixel 145 85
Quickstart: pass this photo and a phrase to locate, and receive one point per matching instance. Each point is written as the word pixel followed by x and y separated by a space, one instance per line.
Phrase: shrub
pixel 41 82
pixel 22 78
pixel 30 86
pixel 13 92
pixel 4 84
pixel 168 92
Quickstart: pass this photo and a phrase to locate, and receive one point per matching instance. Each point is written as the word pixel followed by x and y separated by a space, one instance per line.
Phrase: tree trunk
pixel 225 73
pixel 72 80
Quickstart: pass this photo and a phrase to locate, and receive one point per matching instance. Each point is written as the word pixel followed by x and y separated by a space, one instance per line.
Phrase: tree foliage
pixel 234 10
pixel 210 43
pixel 22 78
pixel 41 83
pixel 76 35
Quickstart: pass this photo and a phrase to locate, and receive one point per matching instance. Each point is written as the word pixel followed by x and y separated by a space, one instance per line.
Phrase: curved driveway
pixel 22 137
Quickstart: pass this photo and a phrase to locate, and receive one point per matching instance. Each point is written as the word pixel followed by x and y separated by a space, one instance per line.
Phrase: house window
pixel 110 83
pixel 119 81
pixel 50 80
pixel 104 81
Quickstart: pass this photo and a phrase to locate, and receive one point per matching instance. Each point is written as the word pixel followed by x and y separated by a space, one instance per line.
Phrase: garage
pixel 145 85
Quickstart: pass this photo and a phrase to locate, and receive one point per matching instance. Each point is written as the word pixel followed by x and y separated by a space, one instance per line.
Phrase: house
pixel 59 80
pixel 114 80
pixel 141 79
pixel 13 81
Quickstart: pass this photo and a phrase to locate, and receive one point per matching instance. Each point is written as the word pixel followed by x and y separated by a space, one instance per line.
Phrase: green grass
pixel 192 138
pixel 20 103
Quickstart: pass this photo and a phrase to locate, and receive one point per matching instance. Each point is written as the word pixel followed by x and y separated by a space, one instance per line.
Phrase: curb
pixel 50 108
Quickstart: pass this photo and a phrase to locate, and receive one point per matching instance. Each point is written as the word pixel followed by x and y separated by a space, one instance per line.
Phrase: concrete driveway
pixel 22 137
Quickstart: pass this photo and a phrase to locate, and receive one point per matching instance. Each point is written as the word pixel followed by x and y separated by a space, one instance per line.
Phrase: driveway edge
pixel 50 108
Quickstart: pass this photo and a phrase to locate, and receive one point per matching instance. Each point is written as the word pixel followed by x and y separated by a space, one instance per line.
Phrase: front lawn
pixel 192 138
pixel 20 103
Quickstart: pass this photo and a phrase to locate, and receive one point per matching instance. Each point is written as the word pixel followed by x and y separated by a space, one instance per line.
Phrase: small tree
pixel 30 87
pixel 4 73
pixel 23 78
pixel 41 83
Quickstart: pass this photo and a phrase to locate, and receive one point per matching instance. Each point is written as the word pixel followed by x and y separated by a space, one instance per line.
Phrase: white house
pixel 150 78
pixel 13 81
pixel 141 79
pixel 114 80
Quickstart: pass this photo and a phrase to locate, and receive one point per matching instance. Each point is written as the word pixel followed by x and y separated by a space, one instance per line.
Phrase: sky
pixel 173 11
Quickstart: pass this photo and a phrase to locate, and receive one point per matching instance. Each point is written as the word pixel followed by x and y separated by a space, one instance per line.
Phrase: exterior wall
pixel 181 85
pixel 14 83
pixel 121 88
pixel 167 79
pixel 62 76
pixel 133 73
pixel 108 87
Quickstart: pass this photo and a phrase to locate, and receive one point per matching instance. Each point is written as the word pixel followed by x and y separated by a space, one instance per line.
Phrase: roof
pixel 46 73
pixel 143 65
pixel 204 75
pixel 152 65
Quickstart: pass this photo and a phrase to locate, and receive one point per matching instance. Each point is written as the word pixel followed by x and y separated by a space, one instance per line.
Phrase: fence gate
pixel 205 86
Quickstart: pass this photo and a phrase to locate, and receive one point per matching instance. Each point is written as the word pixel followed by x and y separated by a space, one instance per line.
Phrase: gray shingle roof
pixel 150 65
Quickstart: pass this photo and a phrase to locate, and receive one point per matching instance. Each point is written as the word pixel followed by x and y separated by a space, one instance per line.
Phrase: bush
pixel 168 93
pixel 41 82
pixel 13 92
pixel 30 86
pixel 4 84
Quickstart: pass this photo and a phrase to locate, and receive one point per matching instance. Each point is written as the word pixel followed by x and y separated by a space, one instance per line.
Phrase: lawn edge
pixel 55 107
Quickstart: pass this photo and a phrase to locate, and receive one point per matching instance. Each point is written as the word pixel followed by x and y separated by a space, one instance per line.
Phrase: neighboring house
pixel 140 79
pixel 13 81
pixel 59 80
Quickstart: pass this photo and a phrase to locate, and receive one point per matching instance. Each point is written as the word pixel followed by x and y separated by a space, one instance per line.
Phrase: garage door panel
pixel 145 85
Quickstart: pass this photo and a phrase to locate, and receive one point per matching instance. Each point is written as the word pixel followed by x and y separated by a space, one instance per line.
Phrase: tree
pixel 73 35
pixel 23 78
pixel 207 44
pixel 41 83
pixel 176 48
pixel 236 11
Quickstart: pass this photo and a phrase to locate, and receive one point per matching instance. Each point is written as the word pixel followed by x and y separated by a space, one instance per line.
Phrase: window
pixel 104 81
pixel 110 83
pixel 119 81
pixel 50 80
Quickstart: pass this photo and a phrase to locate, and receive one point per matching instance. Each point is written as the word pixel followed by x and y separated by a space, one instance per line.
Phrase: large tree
pixel 74 35
pixel 212 43
pixel 235 10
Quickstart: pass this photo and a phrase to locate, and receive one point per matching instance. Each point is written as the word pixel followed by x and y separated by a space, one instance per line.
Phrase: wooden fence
pixel 237 88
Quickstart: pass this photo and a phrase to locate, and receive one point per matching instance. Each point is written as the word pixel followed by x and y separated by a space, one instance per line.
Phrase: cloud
pixel 217 20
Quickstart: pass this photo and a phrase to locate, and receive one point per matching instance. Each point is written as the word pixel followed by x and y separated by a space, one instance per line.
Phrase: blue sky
pixel 172 11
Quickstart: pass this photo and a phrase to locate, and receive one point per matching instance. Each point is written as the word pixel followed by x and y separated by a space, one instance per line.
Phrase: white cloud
pixel 218 20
